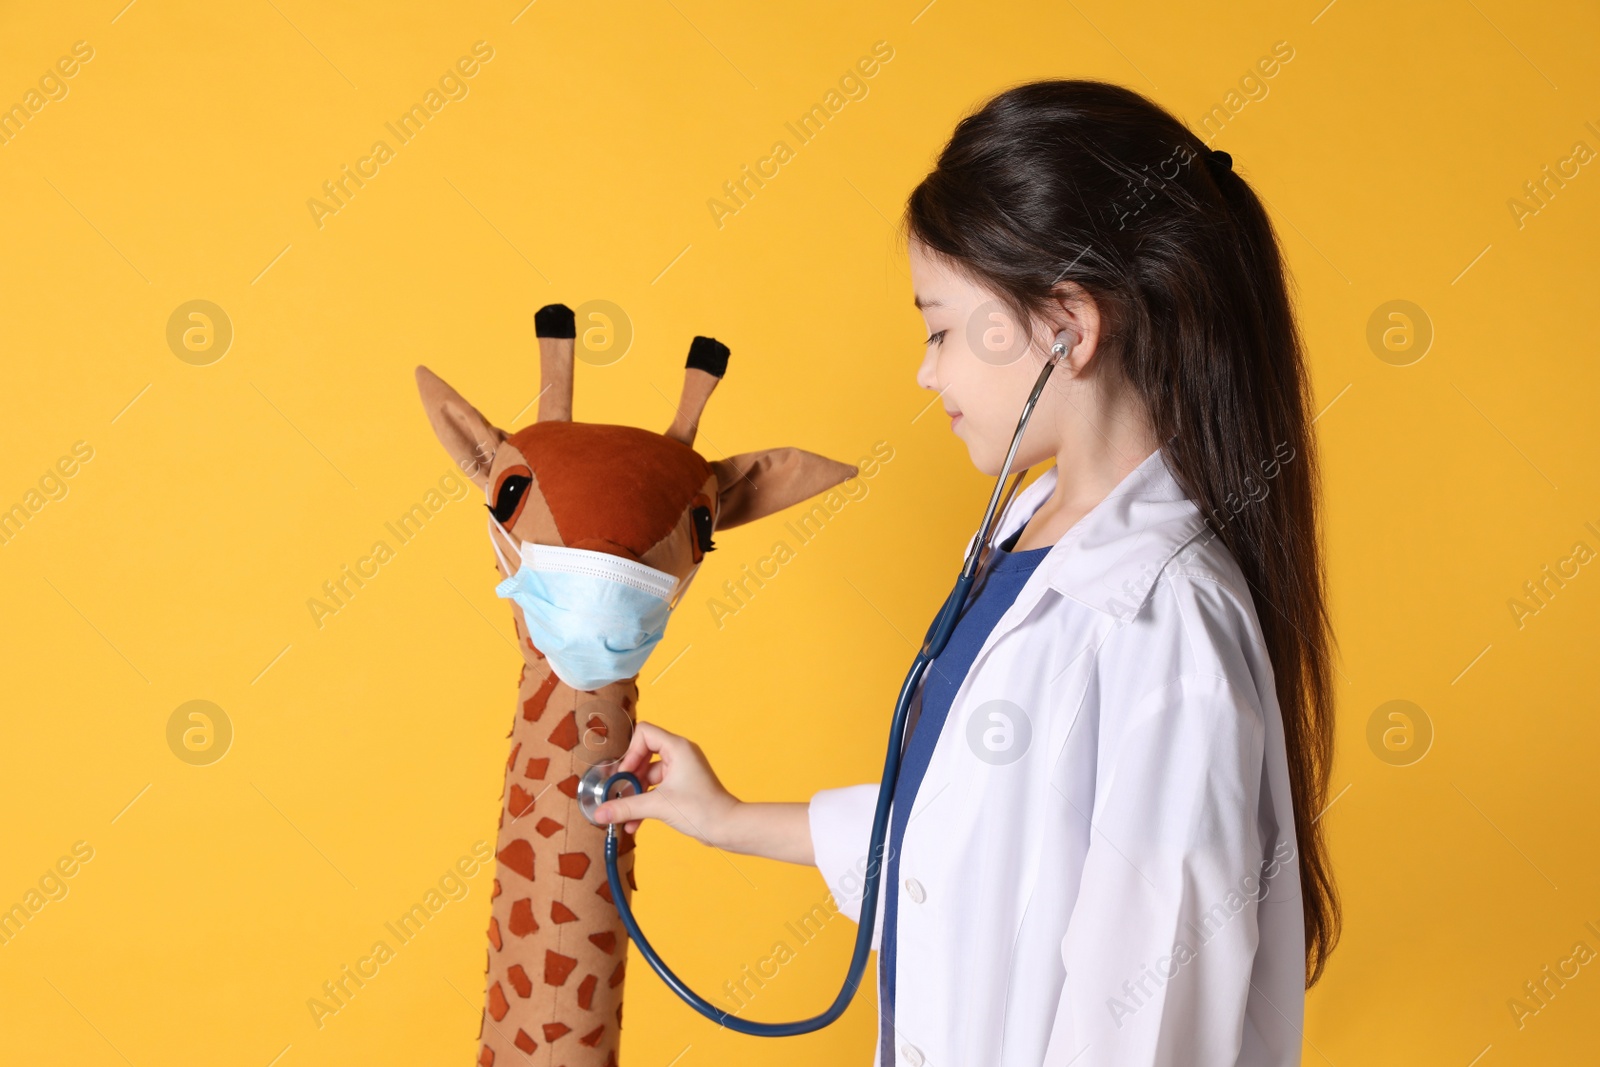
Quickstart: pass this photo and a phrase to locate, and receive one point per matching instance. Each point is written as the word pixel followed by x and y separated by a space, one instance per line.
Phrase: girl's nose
pixel 925 375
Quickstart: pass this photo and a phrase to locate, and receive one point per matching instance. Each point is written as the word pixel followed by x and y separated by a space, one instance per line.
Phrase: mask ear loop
pixel 494 522
pixel 504 563
pixel 683 587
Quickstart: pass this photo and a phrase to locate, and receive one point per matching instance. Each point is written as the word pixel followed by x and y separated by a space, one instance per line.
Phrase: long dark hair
pixel 1090 183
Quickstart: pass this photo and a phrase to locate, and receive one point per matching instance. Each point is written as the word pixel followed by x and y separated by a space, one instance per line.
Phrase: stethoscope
pixel 595 785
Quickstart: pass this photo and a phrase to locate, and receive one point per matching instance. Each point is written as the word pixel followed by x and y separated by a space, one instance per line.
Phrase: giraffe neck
pixel 558 949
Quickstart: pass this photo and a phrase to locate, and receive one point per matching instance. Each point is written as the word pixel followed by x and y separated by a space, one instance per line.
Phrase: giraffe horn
pixel 554 326
pixel 708 361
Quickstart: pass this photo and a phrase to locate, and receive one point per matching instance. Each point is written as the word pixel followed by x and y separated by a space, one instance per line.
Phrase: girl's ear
pixel 753 485
pixel 465 434
pixel 1079 315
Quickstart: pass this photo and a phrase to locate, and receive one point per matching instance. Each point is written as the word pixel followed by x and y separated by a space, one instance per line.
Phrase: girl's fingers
pixel 631 754
pixel 647 738
pixel 630 807
pixel 630 810
pixel 638 752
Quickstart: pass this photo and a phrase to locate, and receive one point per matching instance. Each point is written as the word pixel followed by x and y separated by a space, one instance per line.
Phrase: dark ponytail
pixel 1089 183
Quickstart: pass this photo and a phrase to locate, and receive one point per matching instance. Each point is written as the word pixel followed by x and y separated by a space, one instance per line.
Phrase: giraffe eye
pixel 702 528
pixel 509 496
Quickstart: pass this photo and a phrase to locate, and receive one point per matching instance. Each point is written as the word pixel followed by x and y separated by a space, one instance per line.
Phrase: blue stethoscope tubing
pixel 933 643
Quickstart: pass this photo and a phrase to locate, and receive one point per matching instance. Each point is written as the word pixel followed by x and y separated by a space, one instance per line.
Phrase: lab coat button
pixel 914 889
pixel 912 1054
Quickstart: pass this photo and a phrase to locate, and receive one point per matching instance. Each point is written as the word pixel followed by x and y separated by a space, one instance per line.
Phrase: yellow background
pixel 367 754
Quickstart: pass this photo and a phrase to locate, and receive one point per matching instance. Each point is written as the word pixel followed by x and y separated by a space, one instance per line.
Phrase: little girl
pixel 1103 846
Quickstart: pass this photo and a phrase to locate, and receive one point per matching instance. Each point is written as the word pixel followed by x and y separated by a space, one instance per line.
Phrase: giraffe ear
pixel 469 437
pixel 753 485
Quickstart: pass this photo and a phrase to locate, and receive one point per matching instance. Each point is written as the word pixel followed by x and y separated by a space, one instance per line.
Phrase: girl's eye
pixel 933 337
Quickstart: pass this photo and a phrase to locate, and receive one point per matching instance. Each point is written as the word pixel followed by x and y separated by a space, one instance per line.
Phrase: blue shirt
pixel 1007 571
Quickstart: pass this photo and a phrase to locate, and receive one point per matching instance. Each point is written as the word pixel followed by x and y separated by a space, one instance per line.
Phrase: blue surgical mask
pixel 595 616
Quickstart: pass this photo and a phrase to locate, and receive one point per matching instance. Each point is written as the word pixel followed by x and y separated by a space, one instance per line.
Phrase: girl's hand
pixel 681 789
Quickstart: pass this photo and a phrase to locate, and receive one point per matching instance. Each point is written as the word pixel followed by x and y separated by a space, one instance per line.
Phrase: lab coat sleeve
pixel 841 830
pixel 1160 947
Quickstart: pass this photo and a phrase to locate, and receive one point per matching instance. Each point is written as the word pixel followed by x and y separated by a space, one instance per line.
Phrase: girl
pixel 1103 846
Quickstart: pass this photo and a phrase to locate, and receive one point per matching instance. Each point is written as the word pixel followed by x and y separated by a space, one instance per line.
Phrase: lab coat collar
pixel 1111 558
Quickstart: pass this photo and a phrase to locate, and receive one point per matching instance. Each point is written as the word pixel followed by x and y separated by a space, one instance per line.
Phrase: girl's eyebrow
pixel 921 303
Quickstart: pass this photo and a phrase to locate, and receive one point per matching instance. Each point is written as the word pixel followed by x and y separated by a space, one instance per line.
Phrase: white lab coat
pixel 1080 873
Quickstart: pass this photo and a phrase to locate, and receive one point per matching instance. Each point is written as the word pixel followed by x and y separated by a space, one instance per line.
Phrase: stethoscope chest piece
pixel 592 787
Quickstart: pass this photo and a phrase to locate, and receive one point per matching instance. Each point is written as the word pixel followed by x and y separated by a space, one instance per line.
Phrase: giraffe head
pixel 644 496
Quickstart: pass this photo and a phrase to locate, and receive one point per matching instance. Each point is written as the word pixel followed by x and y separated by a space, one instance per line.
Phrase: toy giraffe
pixel 557 948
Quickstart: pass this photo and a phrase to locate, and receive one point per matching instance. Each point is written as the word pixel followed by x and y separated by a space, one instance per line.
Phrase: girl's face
pixel 983 368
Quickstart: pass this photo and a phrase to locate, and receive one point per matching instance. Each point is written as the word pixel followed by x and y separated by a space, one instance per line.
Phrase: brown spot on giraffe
pixel 498 1005
pixel 518 855
pixel 643 496
pixel 520 980
pixel 534 705
pixel 565 735
pixel 522 921
pixel 557 967
pixel 521 801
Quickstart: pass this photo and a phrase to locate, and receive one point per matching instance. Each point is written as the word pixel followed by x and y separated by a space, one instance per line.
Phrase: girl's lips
pixel 955 419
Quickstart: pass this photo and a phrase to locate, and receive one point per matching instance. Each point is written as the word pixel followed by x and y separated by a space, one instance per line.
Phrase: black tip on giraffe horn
pixel 708 354
pixel 554 320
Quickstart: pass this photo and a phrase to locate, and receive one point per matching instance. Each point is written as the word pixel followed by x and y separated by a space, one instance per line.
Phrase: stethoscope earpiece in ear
pixel 1065 342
